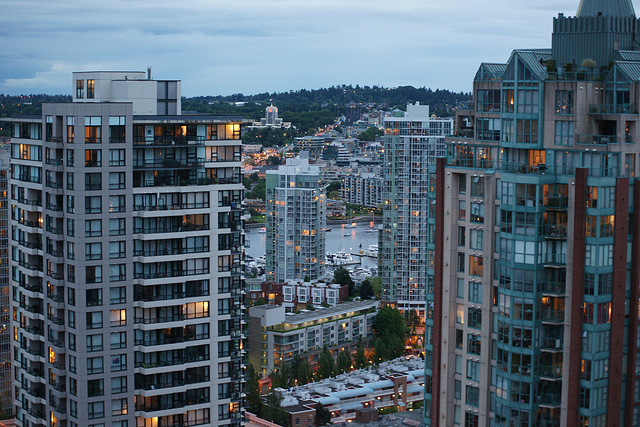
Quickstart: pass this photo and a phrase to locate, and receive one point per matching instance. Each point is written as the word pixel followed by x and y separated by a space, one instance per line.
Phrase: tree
pixel 389 332
pixel 273 411
pixel 342 277
pixel 366 290
pixel 360 360
pixel 370 134
pixel 344 361
pixel 274 160
pixel 323 416
pixel 281 378
pixel 259 191
pixel 300 371
pixel 376 284
pixel 334 186
pixel 413 320
pixel 326 364
pixel 254 399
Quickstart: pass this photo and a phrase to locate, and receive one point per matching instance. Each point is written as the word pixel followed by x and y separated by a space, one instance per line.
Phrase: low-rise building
pixel 363 189
pixel 398 383
pixel 276 337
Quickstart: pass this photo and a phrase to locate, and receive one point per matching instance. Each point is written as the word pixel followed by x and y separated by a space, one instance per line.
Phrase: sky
pixel 222 47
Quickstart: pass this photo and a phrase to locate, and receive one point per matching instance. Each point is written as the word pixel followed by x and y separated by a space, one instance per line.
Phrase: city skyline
pixel 218 48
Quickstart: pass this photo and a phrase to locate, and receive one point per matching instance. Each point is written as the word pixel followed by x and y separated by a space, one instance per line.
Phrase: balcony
pixel 603 109
pixel 168 163
pixel 552 344
pixel 552 316
pixel 555 231
pixel 53 184
pixel 169 141
pixel 557 203
pixel 597 139
pixel 552 288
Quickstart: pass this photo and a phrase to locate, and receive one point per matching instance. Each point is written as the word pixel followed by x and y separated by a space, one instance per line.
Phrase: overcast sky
pixel 220 47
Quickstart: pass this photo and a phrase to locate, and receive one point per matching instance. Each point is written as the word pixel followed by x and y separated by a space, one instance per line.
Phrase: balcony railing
pixel 597 139
pixel 170 140
pixel 610 109
pixel 168 164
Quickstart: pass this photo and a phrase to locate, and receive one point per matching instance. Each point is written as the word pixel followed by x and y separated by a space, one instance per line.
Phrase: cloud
pixel 250 46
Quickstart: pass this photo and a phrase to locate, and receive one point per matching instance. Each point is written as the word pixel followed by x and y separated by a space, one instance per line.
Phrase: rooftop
pixel 336 310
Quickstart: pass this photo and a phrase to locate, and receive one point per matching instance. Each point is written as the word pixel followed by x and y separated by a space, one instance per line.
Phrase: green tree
pixel 376 284
pixel 389 332
pixel 272 410
pixel 370 134
pixel 344 361
pixel 334 186
pixel 413 320
pixel 360 361
pixel 254 399
pixel 323 416
pixel 366 290
pixel 326 364
pixel 342 277
pixel 259 191
pixel 281 377
pixel 274 160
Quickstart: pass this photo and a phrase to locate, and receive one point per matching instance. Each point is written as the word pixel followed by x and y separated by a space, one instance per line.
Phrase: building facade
pixel 532 319
pixel 296 222
pixel 413 140
pixel 6 370
pixel 277 337
pixel 363 189
pixel 126 245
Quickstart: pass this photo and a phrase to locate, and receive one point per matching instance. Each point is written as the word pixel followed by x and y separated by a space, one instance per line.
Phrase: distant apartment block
pixel 295 295
pixel 296 222
pixel 363 189
pixel 277 337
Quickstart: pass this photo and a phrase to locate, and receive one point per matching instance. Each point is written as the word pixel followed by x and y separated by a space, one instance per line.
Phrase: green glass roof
pixel 605 7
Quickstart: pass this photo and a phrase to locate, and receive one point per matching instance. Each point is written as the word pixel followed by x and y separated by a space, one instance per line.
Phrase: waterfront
pixel 338 239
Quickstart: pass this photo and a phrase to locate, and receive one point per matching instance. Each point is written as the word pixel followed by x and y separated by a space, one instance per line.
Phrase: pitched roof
pixel 605 7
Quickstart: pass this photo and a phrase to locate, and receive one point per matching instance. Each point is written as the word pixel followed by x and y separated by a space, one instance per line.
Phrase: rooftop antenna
pixel 149 73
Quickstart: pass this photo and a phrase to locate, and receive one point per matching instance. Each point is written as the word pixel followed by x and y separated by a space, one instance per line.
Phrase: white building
pixel 296 222
pixel 413 140
pixel 127 243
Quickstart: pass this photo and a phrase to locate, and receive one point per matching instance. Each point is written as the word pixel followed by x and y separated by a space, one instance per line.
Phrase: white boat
pixel 352 225
pixel 262 230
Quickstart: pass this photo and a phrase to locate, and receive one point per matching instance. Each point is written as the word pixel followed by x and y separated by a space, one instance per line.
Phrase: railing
pixel 549 315
pixel 170 140
pixel 610 109
pixel 167 319
pixel 552 344
pixel 29 202
pixel 551 258
pixel 36 224
pixel 555 288
pixel 54 162
pixel 56 139
pixel 462 133
pixel 54 207
pixel 53 184
pixel 164 274
pixel 163 182
pixel 174 206
pixel 29 245
pixel 168 163
pixel 555 230
pixel 170 229
pixel 597 139
pixel 557 202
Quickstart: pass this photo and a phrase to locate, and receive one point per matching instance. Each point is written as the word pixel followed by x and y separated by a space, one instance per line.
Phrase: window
pixel 117 249
pixel 488 101
pixel 94 342
pixel 93 251
pixel 70 227
pixel 117 272
pixel 477 213
pixel 563 133
pixel 118 362
pixel 94 320
pixel 528 101
pixel 474 318
pixel 488 129
pixel 92 158
pixel 72 318
pixel 118 317
pixel 95 387
pixel 93 205
pixel 117 180
pixel 117 129
pixel 477 186
pixel 70 158
pixel 94 274
pixel 564 102
pixel 118 385
pixel 461 236
pixel 93 181
pixel 117 227
pixel 473 370
pixel 93 228
pixel 474 344
pixel 118 340
pixel 94 297
pixel 91 87
pixel 70 129
pixel 71 250
pixel 527 131
pixel 461 262
pixel 95 410
pixel 475 265
pixel 71 296
pixel 70 185
pixel 92 130
pixel 73 409
pixel 477 240
pixel 224 349
pixel 79 88
pixel 118 295
pixel 119 406
pixel 116 157
pixel 462 184
pixel 72 341
pixel 475 292
pixel 71 273
pixel 121 423
pixel 462 210
pixel 472 396
pixel 117 203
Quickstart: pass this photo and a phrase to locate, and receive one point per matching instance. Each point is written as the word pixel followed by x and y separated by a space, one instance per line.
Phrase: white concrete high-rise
pixel 296 221
pixel 127 243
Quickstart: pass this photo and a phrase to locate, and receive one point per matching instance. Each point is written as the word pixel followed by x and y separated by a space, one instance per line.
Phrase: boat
pixel 371 230
pixel 262 230
pixel 353 225
pixel 328 229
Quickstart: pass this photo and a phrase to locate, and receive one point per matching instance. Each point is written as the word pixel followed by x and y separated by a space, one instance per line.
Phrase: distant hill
pixel 306 109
